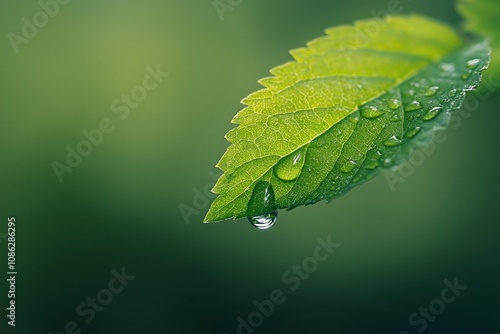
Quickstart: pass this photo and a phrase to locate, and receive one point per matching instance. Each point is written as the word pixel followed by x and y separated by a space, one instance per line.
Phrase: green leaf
pixel 354 102
pixel 482 18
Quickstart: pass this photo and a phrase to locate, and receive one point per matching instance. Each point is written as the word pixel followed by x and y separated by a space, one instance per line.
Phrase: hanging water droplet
pixel 261 209
pixel 392 142
pixel 371 112
pixel 466 75
pixel 264 221
pixel 413 132
pixel 472 64
pixel 431 91
pixel 348 166
pixel 414 105
pixel 394 104
pixel 431 114
pixel 289 167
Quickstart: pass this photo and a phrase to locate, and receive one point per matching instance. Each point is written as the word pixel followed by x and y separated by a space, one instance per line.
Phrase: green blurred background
pixel 120 206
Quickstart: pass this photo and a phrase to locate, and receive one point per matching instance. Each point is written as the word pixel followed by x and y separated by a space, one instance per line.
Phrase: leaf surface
pixel 354 102
pixel 482 18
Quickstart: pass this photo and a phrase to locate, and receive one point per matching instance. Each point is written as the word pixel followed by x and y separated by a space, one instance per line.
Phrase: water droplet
pixel 431 91
pixel 394 104
pixel 392 142
pixel 264 221
pixel 414 105
pixel 431 114
pixel 466 75
pixel 372 164
pixel 447 67
pixel 353 119
pixel 409 93
pixel 348 166
pixel 337 178
pixel 388 162
pixel 371 112
pixel 452 93
pixel 472 64
pixel 261 209
pixel 356 179
pixel 395 118
pixel 359 86
pixel 289 167
pixel 413 132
